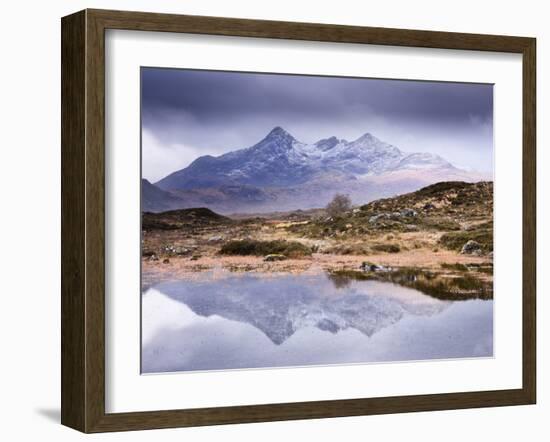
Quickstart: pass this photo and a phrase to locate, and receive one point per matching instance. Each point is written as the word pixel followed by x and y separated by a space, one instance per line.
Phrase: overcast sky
pixel 189 113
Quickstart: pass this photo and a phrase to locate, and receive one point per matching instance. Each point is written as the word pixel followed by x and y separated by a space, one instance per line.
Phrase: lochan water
pixel 268 320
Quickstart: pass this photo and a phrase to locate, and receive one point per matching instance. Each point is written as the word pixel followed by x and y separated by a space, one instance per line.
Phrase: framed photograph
pixel 269 220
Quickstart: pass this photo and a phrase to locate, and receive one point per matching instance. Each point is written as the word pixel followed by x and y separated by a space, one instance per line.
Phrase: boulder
pixel 169 249
pixel 375 218
pixel 408 212
pixel 181 251
pixel 370 267
pixel 471 248
pixel 317 247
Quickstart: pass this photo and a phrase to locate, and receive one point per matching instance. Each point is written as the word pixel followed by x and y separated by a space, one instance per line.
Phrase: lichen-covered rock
pixel 169 249
pixel 181 251
pixel 373 219
pixel 408 212
pixel 471 248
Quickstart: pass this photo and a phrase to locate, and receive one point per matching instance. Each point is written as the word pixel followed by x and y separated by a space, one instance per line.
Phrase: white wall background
pixel 30 217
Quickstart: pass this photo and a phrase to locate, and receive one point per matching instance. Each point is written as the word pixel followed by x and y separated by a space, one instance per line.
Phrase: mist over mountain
pixel 282 173
pixel 154 199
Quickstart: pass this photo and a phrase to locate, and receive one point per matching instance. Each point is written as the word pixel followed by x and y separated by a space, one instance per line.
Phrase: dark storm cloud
pixel 189 113
pixel 212 95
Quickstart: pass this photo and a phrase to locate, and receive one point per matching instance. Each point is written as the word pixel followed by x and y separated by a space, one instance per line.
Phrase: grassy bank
pixel 439 285
pixel 289 249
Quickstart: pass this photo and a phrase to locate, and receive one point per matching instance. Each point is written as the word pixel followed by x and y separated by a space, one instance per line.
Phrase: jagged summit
pixel 367 137
pixel 277 140
pixel 327 143
pixel 307 174
pixel 279 160
pixel 277 137
pixel 279 133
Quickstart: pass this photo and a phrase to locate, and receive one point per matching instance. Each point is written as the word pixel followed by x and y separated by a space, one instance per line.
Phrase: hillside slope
pixel 451 213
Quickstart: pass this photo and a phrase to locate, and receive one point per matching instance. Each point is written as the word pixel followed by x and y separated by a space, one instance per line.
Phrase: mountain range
pixel 281 173
pixel 289 304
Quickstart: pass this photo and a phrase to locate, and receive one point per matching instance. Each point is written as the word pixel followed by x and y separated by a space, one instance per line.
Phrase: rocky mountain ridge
pixel 281 173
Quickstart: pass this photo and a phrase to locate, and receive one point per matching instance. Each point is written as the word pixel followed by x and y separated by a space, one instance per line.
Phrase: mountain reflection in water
pixel 256 320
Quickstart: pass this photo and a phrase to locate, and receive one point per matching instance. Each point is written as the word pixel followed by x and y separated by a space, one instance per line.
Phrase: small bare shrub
pixel 339 205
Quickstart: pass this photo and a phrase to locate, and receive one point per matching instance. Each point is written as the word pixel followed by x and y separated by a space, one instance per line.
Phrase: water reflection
pixel 252 320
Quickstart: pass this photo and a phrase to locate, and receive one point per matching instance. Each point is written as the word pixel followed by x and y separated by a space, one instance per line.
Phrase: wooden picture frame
pixel 83 220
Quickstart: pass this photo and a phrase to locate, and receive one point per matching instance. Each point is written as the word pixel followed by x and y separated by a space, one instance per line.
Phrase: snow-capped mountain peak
pixel 278 134
pixel 282 173
pixel 367 138
pixel 327 143
pixel 280 160
pixel 277 143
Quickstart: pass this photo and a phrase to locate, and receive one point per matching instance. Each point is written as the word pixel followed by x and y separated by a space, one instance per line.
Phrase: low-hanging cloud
pixel 189 113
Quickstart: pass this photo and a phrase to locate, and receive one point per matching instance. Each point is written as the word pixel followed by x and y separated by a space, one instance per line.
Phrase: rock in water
pixel 370 267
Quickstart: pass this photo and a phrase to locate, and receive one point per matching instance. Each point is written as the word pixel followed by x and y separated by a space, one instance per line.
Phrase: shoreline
pixel 181 268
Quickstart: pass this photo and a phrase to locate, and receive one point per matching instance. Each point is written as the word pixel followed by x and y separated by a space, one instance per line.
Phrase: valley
pixel 438 238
